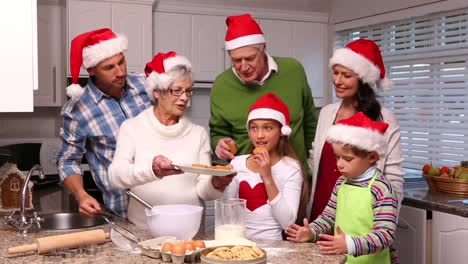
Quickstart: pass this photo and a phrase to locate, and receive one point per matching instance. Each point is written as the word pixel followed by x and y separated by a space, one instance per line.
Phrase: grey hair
pixel 177 73
pixel 259 46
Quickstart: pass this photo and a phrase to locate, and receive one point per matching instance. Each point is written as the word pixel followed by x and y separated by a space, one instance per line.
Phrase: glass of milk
pixel 229 218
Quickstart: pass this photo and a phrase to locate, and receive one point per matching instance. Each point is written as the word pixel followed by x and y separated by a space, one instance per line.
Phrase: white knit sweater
pixel 142 138
pixel 390 165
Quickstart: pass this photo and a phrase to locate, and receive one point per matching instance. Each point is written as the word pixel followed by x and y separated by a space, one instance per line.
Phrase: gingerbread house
pixel 11 182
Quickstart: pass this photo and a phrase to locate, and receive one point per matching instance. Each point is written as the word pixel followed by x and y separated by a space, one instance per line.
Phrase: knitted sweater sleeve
pixel 285 205
pixel 310 114
pixel 205 188
pixel 325 223
pixel 123 173
pixel 392 169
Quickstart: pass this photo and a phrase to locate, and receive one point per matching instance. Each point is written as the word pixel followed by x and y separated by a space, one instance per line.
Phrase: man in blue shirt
pixel 93 115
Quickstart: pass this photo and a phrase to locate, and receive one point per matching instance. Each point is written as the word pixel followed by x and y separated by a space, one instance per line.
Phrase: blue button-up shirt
pixel 90 125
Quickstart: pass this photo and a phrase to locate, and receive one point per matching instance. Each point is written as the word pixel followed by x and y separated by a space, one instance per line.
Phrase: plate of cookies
pixel 234 255
pixel 217 170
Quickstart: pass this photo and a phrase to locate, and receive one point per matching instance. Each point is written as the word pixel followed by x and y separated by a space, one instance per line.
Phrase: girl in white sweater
pixel 271 179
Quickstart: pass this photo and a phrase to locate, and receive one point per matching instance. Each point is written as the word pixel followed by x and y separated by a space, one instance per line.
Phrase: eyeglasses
pixel 179 92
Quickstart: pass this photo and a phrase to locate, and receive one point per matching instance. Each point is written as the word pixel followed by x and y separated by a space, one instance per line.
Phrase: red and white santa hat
pixel 156 70
pixel 90 48
pixel 364 58
pixel 270 106
pixel 242 31
pixel 360 131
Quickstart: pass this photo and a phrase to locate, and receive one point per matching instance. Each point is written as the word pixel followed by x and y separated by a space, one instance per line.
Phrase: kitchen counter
pixel 277 251
pixel 423 198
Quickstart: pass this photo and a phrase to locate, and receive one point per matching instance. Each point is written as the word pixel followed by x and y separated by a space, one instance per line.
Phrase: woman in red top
pixel 356 69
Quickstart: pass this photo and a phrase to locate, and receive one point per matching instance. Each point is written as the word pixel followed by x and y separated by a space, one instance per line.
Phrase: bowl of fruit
pixel 452 180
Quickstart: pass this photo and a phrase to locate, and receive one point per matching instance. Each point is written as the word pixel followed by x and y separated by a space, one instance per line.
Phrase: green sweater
pixel 231 100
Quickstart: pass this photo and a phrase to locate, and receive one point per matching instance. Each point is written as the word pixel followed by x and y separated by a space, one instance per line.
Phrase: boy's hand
pixel 297 233
pixel 333 245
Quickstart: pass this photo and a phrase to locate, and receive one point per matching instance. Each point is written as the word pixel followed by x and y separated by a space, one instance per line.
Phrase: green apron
pixel 355 217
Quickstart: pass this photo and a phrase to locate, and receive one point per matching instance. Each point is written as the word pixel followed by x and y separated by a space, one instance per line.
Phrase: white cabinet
pixel 449 238
pixel 208 53
pixel 18 55
pixel 411 235
pixel 198 37
pixel 132 18
pixel 305 41
pixel 51 52
pixel 173 32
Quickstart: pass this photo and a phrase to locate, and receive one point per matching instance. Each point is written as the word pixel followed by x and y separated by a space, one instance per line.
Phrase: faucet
pixel 23 224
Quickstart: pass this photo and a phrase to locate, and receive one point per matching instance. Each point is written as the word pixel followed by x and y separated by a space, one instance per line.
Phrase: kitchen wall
pixel 44 122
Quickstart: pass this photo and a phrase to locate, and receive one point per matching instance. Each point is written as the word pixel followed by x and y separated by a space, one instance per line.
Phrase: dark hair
pixel 285 149
pixel 367 102
pixel 357 151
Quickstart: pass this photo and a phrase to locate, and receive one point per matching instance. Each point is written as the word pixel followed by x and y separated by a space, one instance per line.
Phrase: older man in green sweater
pixel 255 73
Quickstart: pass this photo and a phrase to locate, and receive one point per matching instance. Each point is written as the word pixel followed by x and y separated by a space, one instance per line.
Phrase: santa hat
pixel 90 48
pixel 242 31
pixel 270 106
pixel 360 131
pixel 364 58
pixel 156 70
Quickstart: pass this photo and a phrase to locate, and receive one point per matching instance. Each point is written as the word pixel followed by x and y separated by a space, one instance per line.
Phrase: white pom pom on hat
pixel 270 106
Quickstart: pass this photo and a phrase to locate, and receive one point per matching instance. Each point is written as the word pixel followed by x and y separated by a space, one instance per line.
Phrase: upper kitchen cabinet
pixel 208 53
pixel 173 32
pixel 198 37
pixel 132 18
pixel 305 41
pixel 51 71
pixel 18 53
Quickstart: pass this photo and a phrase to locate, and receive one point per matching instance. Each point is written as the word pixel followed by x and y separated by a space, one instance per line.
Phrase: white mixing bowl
pixel 179 220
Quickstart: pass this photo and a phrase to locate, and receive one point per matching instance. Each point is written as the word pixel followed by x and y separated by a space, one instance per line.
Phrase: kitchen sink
pixel 66 221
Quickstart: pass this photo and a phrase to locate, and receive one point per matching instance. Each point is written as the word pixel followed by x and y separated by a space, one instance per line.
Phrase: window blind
pixel 426 58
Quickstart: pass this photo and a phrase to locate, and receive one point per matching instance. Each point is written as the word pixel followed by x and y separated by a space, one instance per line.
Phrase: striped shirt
pixel 90 125
pixel 385 216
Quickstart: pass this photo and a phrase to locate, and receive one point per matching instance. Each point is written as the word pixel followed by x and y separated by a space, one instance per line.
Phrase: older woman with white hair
pixel 148 144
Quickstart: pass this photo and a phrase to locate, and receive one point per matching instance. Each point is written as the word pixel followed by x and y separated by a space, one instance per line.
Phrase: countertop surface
pixel 423 198
pixel 277 251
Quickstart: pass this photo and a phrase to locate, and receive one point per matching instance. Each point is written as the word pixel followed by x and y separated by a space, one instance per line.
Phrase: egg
pixel 167 247
pixel 189 245
pixel 199 244
pixel 178 249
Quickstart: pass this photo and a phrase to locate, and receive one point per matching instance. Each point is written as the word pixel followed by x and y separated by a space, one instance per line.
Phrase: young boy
pixel 362 211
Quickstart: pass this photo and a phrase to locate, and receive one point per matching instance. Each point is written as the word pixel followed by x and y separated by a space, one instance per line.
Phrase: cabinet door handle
pixel 402 224
pixel 54 81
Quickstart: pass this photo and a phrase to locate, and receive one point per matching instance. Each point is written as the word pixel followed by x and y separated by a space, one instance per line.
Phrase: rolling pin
pixel 73 240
